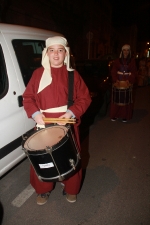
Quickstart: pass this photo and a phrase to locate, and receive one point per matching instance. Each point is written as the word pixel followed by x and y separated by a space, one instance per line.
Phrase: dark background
pixel 129 12
pixel 111 23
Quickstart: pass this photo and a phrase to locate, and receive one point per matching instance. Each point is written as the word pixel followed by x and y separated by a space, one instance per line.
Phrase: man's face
pixel 125 52
pixel 56 54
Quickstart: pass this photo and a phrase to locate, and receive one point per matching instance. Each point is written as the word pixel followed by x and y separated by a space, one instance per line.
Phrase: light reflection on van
pixel 20 54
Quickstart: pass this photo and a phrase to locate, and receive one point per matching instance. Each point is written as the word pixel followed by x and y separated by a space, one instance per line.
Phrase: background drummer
pixel 46 95
pixel 124 69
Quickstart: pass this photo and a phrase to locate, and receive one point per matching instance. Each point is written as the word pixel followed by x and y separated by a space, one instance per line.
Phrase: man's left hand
pixel 67 115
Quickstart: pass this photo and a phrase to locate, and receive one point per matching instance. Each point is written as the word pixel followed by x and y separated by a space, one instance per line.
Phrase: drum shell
pixel 56 161
pixel 122 93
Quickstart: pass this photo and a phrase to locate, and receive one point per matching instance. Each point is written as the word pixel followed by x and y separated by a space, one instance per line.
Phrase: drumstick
pixel 55 120
pixel 58 119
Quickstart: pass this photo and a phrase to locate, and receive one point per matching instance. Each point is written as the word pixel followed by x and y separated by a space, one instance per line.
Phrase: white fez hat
pixel 46 78
pixel 126 46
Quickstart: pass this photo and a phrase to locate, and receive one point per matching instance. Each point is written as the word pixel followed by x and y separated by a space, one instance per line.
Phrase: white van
pixel 20 54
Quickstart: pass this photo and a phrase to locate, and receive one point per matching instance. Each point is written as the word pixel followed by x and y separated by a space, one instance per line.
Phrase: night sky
pixel 132 12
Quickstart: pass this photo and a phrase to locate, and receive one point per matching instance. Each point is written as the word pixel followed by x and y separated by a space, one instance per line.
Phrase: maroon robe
pixel 56 95
pixel 125 111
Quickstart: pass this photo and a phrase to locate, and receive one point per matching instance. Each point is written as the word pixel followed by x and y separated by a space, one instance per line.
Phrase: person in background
pixel 46 95
pixel 123 77
pixel 142 73
pixel 148 69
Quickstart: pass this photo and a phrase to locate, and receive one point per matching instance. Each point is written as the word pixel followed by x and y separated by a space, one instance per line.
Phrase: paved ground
pixel 116 188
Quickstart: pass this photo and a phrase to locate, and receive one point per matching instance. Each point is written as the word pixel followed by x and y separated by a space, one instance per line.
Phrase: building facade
pixel 86 24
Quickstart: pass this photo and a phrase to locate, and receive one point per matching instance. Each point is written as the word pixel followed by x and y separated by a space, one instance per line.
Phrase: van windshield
pixel 29 55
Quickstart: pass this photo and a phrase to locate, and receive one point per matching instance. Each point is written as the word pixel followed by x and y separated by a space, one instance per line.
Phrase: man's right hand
pixel 39 119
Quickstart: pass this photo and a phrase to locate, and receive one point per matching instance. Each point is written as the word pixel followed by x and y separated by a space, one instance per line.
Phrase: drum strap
pixel 70 87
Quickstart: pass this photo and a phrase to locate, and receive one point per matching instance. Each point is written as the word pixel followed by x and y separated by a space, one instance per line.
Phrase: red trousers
pixel 72 185
pixel 123 112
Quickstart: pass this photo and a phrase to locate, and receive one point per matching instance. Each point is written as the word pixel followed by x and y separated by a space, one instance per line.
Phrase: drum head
pixel 122 85
pixel 45 137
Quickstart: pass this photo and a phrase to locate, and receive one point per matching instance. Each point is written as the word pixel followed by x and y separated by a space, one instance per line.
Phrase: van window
pixel 3 76
pixel 29 55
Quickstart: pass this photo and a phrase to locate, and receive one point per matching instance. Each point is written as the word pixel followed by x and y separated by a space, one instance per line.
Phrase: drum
pixel 53 152
pixel 122 93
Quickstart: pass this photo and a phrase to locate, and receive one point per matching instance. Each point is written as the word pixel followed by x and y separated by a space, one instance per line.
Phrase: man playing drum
pixel 123 77
pixel 46 96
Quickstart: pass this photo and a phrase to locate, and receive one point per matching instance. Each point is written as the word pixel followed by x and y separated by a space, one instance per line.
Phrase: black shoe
pixel 124 120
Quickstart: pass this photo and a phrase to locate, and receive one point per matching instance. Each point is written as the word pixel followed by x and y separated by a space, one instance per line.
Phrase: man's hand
pixel 39 119
pixel 67 115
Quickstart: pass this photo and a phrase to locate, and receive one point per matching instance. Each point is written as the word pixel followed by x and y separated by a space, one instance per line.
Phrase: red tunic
pixel 125 111
pixel 56 95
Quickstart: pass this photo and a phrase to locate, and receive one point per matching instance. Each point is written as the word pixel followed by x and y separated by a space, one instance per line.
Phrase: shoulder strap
pixel 70 87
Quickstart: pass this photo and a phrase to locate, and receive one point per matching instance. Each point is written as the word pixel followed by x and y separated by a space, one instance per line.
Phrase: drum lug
pixel 39 177
pixel 61 178
pixel 25 151
pixel 49 149
pixel 72 163
pixel 24 137
pixel 68 126
pixel 78 155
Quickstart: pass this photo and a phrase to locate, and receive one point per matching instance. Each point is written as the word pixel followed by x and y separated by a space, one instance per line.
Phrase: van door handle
pixel 20 100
